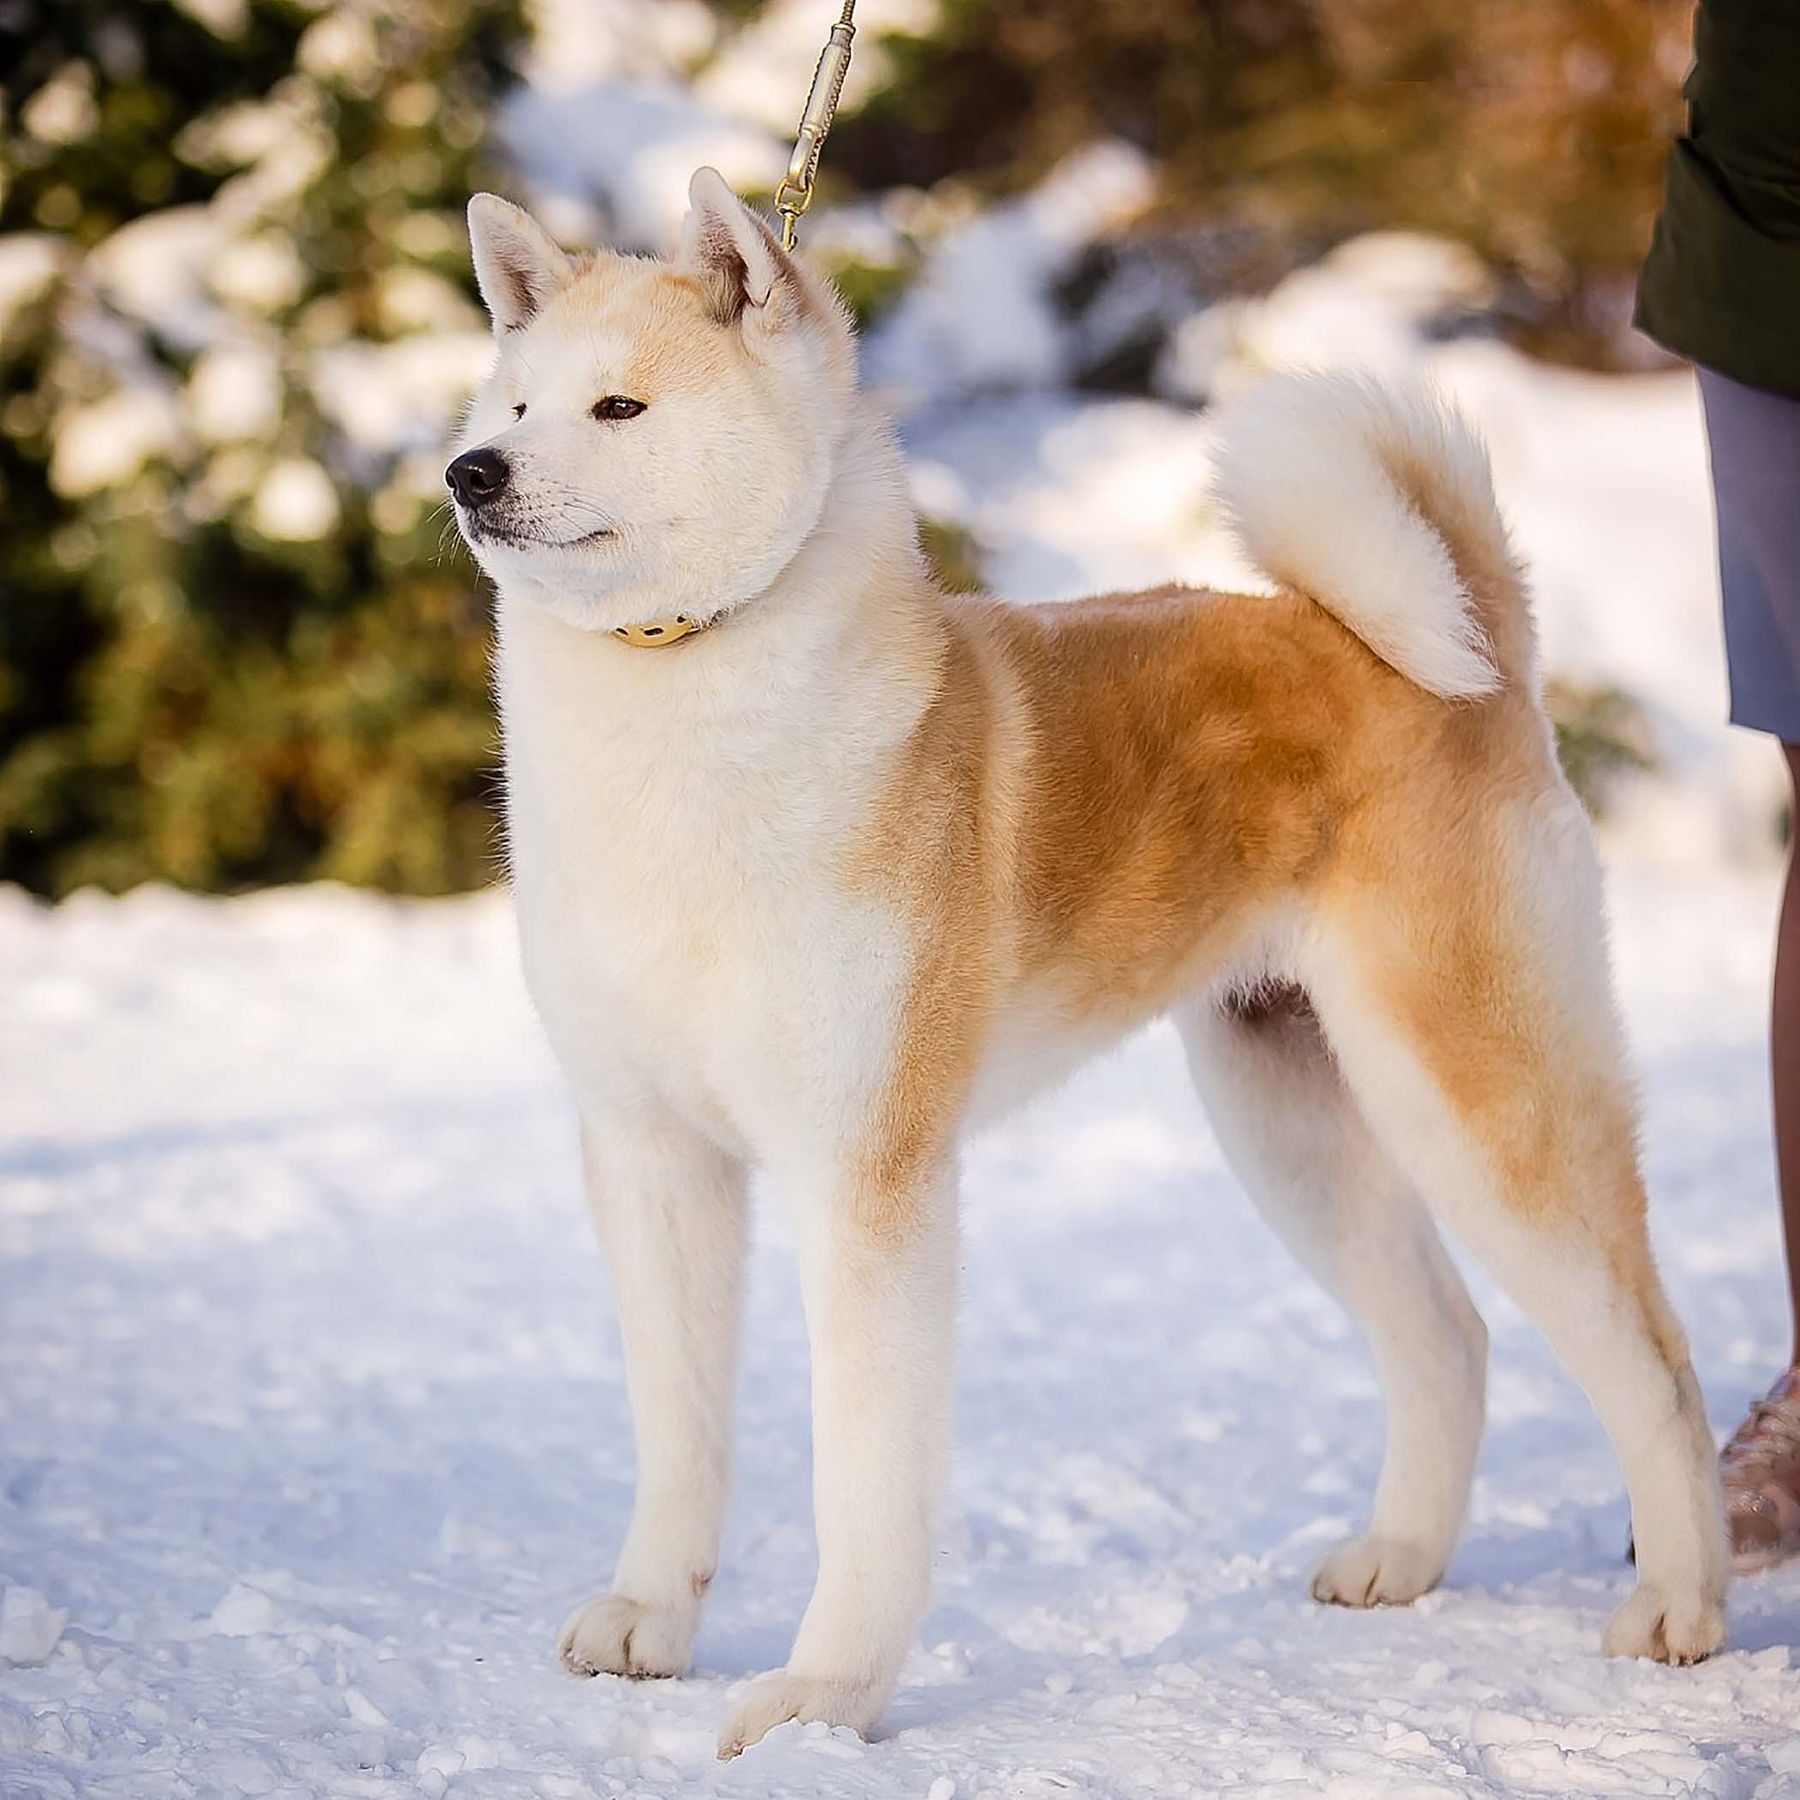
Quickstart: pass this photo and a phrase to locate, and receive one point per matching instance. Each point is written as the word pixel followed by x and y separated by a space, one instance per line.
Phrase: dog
pixel 816 864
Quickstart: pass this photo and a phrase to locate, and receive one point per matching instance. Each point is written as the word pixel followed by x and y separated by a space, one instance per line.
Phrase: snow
pixel 104 443
pixel 29 1627
pixel 404 395
pixel 234 392
pixel 762 71
pixel 259 274
pixel 63 110
pixel 576 43
pixel 981 314
pixel 223 18
pixel 1368 304
pixel 613 160
pixel 29 262
pixel 315 1422
pixel 295 501
pixel 155 269
pixel 342 47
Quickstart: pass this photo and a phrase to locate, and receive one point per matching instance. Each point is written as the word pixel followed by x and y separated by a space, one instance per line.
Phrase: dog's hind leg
pixel 1462 984
pixel 1299 1144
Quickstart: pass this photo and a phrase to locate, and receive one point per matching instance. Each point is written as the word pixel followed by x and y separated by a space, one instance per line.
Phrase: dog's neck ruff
pixel 659 632
pixel 872 485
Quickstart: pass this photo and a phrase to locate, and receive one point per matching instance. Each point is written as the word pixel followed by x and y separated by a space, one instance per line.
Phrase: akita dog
pixel 816 864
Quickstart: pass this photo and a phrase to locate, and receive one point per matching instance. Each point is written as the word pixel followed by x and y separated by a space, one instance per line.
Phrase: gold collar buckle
pixel 658 632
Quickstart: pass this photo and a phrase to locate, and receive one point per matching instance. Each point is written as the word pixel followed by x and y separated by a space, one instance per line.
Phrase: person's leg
pixel 1784 1054
pixel 1760 1463
pixel 1754 441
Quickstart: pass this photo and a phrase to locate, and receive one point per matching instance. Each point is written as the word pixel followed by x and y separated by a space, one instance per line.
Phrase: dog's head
pixel 655 438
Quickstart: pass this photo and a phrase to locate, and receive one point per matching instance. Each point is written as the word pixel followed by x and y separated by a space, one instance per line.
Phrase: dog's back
pixel 1163 778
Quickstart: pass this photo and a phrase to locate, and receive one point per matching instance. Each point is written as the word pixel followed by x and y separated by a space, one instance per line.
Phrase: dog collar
pixel 659 632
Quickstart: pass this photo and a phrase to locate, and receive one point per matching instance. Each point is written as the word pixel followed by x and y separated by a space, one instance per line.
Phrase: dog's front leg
pixel 878 1267
pixel 672 1216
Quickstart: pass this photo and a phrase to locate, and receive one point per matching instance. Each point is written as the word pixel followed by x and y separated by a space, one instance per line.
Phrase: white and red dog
pixel 816 864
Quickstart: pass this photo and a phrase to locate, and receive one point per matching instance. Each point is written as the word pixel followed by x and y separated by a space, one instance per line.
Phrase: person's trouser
pixel 1754 437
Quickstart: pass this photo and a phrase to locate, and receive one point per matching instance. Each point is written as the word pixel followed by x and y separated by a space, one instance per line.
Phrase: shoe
pixel 1760 1468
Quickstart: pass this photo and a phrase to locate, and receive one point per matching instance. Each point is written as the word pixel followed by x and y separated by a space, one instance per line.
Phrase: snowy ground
pixel 315 1427
pixel 312 1424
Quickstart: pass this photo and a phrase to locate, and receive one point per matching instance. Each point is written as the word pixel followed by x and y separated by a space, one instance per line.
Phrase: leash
pixel 793 195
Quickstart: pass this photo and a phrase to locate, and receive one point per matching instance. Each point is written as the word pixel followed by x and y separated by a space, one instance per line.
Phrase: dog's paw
pixel 617 1636
pixel 773 1699
pixel 1375 1571
pixel 1671 1628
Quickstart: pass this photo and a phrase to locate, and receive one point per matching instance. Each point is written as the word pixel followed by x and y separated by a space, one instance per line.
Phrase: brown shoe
pixel 1760 1468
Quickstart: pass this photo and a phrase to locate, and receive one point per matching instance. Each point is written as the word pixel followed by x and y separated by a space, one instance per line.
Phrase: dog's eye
pixel 617 406
pixel 519 410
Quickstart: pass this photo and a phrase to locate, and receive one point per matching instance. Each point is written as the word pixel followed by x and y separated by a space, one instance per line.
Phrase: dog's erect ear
pixel 517 263
pixel 736 257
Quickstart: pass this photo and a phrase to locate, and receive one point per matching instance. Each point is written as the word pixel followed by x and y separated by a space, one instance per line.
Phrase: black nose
pixel 477 475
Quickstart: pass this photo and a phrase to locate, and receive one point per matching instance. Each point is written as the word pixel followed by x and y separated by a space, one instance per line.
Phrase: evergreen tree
pixel 235 318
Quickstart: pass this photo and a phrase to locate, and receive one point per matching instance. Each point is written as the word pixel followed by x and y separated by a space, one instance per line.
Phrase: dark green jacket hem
pixel 1716 288
pixel 1722 283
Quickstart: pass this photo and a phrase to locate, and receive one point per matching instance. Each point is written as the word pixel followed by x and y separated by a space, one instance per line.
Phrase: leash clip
pixel 795 192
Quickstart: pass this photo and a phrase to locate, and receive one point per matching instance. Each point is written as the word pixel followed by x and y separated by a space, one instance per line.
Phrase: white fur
pixel 701 509
pixel 1299 1143
pixel 721 234
pixel 752 1022
pixel 1656 1419
pixel 1304 471
pixel 1564 1279
pixel 721 999
pixel 519 267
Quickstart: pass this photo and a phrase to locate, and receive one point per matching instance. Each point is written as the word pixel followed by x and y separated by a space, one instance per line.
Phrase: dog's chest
pixel 686 931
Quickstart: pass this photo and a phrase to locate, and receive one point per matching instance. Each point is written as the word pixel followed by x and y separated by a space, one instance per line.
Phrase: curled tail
pixel 1378 504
